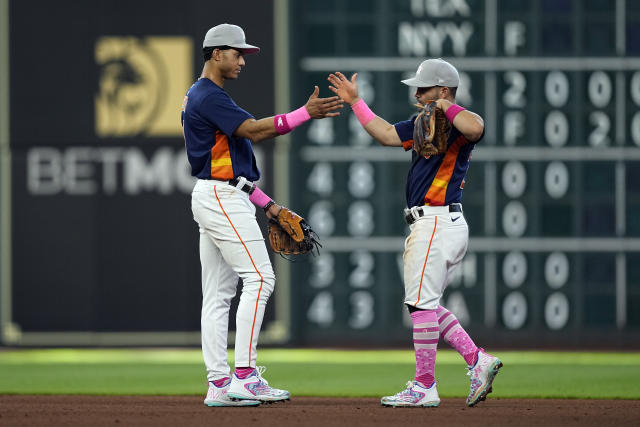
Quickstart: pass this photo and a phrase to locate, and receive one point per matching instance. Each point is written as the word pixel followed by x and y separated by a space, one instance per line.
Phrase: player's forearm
pixel 257 130
pixel 381 130
pixel 467 122
pixel 270 127
pixel 261 200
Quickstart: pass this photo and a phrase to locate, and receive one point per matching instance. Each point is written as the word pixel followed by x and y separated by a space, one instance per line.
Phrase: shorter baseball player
pixel 218 138
pixel 439 232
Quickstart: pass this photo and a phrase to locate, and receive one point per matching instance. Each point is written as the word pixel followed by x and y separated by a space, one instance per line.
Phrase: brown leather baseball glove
pixel 431 130
pixel 290 234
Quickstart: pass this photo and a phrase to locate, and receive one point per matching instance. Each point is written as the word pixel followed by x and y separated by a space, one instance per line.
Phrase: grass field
pixel 309 372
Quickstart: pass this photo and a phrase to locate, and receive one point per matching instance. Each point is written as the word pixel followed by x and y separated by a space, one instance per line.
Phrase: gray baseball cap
pixel 434 72
pixel 228 35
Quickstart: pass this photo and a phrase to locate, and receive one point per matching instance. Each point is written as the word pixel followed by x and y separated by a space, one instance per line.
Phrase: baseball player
pixel 218 137
pixel 439 234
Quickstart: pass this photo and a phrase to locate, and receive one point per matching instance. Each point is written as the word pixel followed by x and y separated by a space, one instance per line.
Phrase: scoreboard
pixel 552 196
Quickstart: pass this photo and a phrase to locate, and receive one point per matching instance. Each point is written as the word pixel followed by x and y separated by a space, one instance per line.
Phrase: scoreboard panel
pixel 552 196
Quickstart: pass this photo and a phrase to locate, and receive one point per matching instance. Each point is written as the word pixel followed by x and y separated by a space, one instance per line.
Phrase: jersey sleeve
pixel 220 109
pixel 405 132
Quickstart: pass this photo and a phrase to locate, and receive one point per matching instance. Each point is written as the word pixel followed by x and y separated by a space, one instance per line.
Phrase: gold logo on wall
pixel 142 82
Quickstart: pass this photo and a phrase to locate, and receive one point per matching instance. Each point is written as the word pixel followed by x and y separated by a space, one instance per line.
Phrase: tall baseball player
pixel 218 137
pixel 439 234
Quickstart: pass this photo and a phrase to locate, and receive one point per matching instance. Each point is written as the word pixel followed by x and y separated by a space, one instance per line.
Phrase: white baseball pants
pixel 231 246
pixel 436 244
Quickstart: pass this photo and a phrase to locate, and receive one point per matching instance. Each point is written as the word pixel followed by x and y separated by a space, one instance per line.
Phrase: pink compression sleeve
pixel 258 198
pixel 285 123
pixel 363 112
pixel 453 111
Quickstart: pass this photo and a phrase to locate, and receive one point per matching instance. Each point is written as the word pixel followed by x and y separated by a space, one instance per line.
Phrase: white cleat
pixel 415 395
pixel 254 387
pixel 481 376
pixel 217 396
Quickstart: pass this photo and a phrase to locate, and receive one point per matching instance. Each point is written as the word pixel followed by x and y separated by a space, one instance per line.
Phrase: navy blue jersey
pixel 209 119
pixel 436 180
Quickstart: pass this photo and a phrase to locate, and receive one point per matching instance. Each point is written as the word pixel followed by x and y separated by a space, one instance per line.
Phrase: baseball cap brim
pixel 246 49
pixel 416 82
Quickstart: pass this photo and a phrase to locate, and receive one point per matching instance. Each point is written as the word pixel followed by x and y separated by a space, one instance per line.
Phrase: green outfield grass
pixel 309 372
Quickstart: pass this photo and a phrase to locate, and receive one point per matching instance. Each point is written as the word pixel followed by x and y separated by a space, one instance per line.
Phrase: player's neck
pixel 212 74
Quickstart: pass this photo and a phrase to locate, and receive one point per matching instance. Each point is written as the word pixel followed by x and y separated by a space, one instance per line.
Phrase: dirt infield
pixel 186 411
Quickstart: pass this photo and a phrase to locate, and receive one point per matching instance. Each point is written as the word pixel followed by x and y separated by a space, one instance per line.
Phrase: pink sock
pixel 221 382
pixel 454 335
pixel 243 373
pixel 425 342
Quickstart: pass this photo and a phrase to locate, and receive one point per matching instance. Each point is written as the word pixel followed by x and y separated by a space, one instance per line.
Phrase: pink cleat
pixel 217 396
pixel 482 375
pixel 414 395
pixel 254 387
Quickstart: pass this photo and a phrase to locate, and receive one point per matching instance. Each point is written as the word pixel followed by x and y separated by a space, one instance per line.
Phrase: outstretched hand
pixel 345 89
pixel 319 108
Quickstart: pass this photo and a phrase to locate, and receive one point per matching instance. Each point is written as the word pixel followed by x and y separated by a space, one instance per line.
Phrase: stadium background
pixel 98 244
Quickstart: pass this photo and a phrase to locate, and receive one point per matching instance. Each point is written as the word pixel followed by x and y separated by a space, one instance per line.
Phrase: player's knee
pixel 269 280
pixel 262 281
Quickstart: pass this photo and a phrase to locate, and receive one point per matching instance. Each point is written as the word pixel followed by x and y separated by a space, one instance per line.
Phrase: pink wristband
pixel 453 111
pixel 363 112
pixel 258 198
pixel 285 123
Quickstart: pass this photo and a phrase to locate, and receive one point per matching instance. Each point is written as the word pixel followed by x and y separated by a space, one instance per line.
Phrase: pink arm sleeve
pixel 258 198
pixel 285 123
pixel 363 112
pixel 453 111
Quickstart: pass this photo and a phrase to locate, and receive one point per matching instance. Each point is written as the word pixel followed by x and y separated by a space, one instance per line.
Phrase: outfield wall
pixel 98 242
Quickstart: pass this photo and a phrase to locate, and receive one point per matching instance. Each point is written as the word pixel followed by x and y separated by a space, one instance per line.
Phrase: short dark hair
pixel 208 51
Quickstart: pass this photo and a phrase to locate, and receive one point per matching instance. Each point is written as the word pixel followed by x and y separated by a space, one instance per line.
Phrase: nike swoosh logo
pixel 455 219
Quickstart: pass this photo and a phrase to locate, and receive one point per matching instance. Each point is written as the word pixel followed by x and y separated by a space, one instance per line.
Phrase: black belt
pixel 248 187
pixel 409 217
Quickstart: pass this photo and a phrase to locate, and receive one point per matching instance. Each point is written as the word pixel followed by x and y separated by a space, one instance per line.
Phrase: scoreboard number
pixel 514 310
pixel 514 269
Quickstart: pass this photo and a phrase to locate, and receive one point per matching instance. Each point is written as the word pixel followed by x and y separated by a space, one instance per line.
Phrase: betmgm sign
pixel 142 81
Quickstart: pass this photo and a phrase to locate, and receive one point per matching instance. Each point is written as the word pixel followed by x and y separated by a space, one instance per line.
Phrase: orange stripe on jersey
pixel 221 158
pixel 438 190
pixel 407 145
